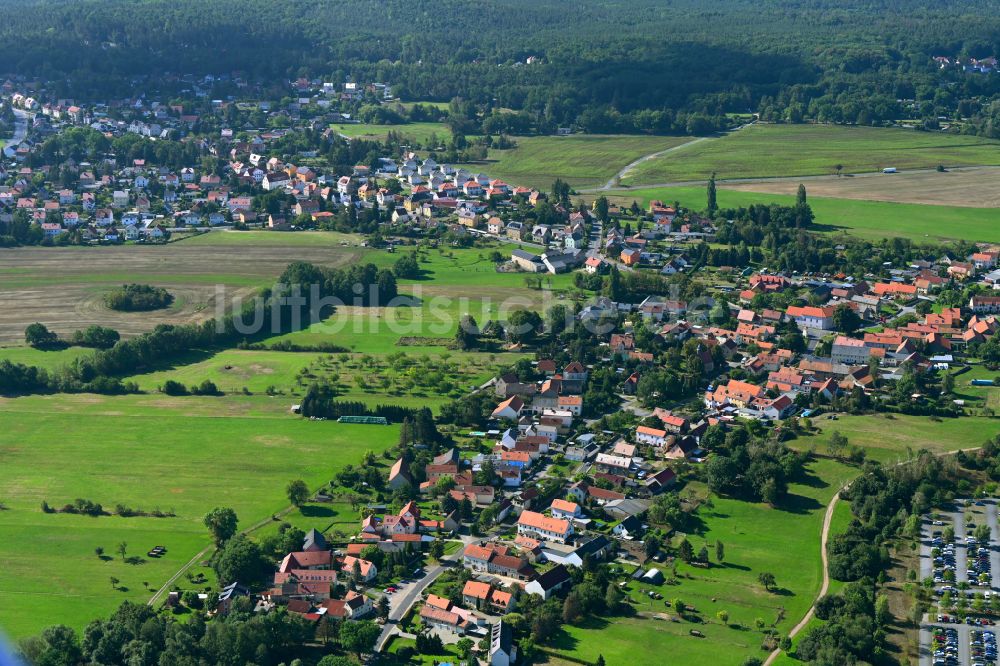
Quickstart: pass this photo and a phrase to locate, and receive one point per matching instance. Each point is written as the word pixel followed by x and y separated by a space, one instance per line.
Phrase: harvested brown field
pixel 970 188
pixel 63 288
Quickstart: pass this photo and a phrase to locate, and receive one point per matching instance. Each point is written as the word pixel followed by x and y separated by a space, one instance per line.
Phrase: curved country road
pixel 826 577
pixel 826 569
pixel 611 184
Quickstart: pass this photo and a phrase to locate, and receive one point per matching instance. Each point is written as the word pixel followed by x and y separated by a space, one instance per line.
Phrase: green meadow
pixel 455 282
pixel 580 159
pixel 419 132
pixel 48 359
pixel 757 538
pixel 765 150
pixel 866 219
pixel 182 455
pixel 890 437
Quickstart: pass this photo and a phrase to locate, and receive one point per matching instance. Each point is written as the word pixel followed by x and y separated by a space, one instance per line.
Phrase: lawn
pixel 867 219
pixel 418 132
pixel 784 541
pixel 450 654
pixel 581 159
pixel 978 396
pixel 764 150
pixel 185 455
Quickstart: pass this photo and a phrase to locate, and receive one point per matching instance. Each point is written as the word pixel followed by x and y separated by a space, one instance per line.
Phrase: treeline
pixel 136 633
pixel 598 67
pixel 779 236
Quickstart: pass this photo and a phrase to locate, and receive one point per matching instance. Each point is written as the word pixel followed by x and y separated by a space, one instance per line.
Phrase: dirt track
pixel 63 287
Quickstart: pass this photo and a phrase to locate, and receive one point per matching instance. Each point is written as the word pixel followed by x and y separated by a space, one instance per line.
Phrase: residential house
pixel 496 559
pixel 565 510
pixel 485 597
pixel 368 570
pixel 550 582
pixel 509 409
pixel 540 526
pixel 812 317
pixel 651 436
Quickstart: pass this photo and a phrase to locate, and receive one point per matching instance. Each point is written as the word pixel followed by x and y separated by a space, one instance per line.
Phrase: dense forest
pixel 606 65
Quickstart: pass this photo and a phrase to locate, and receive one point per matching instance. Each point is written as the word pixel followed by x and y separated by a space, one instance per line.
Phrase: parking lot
pixel 962 567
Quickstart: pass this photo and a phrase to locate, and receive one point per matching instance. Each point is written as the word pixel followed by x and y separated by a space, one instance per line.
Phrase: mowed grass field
pixel 764 150
pixel 185 455
pixel 866 219
pixel 47 358
pixel 419 132
pixel 889 438
pixel 757 538
pixel 581 160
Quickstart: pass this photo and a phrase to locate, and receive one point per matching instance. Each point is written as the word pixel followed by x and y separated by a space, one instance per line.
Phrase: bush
pixel 138 298
pixel 207 387
pixel 96 336
pixel 38 335
pixel 171 387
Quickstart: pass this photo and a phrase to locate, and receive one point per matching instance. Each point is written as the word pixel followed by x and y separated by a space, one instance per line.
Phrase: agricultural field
pixel 872 220
pixel 418 132
pixel 766 151
pixel 783 541
pixel 973 187
pixel 582 160
pixel 181 455
pixel 64 287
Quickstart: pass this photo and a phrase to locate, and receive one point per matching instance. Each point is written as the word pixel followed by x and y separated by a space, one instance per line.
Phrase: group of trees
pixel 41 337
pixel 321 400
pixel 753 467
pixel 884 501
pixel 778 236
pixel 138 298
